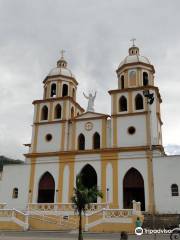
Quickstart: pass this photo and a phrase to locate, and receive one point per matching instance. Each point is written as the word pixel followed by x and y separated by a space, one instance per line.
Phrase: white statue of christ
pixel 91 98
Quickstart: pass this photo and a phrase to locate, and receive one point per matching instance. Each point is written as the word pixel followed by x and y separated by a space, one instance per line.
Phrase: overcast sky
pixel 95 35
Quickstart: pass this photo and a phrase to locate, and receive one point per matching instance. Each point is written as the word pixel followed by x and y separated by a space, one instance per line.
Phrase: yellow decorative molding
pixel 130 101
pixel 36 128
pixel 73 136
pixel 115 130
pixel 151 202
pixel 31 180
pixel 104 133
pixel 62 140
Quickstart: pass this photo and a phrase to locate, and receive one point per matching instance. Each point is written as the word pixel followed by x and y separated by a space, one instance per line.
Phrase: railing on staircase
pixel 108 215
pixel 63 207
pixel 16 216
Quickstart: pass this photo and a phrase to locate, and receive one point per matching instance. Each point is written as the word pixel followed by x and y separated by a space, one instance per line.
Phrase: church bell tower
pixel 136 117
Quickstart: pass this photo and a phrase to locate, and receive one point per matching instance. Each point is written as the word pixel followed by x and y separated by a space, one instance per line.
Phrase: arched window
pixel 57 111
pixel 122 82
pixel 53 90
pixel 65 90
pixel 139 102
pixel 72 112
pixel 145 79
pixel 15 193
pixel 44 113
pixel 81 142
pixel 174 190
pixel 122 104
pixel 96 140
pixel 46 189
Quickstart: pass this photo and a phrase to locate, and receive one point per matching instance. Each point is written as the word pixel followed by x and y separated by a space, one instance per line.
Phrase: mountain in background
pixel 171 149
pixel 5 161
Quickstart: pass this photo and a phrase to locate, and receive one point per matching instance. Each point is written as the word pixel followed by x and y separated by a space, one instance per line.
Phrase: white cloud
pixel 95 35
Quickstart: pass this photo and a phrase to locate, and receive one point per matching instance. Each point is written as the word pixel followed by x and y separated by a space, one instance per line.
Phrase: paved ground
pixel 70 236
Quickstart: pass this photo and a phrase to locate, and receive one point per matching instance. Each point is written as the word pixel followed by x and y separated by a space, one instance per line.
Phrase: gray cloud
pixel 95 35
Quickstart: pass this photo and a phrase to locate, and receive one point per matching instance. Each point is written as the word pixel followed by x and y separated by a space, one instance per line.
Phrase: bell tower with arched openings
pixel 53 113
pixel 136 118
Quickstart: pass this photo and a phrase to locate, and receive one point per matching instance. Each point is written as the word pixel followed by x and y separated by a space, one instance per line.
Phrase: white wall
pixel 124 138
pixel 166 172
pixel 54 145
pixel 80 128
pixel 15 176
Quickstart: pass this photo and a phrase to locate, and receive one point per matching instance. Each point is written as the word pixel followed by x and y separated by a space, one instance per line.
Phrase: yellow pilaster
pixel 113 159
pixel 130 102
pixel 31 180
pixel 51 111
pixel 151 202
pixel 104 133
pixel 66 161
pixel 62 140
pixel 114 122
pixel 73 136
pixel 34 147
pixel 64 109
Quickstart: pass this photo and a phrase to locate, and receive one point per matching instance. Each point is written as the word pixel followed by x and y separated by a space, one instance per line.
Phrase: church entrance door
pixel 133 189
pixel 89 177
pixel 46 189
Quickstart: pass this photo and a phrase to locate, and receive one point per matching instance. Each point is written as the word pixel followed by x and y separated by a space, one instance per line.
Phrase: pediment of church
pixel 91 115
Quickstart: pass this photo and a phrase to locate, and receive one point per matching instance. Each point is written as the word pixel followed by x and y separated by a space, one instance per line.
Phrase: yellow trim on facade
pixel 114 104
pixel 31 180
pixel 62 163
pixel 51 117
pixel 115 130
pixel 62 140
pixel 37 119
pixel 130 101
pixel 73 136
pixel 64 110
pixel 34 148
pixel 104 133
pixel 105 159
pixel 151 202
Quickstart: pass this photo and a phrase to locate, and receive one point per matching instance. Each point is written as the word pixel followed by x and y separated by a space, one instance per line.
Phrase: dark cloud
pixel 95 35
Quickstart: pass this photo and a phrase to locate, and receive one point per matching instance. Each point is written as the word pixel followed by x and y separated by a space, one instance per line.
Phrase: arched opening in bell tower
pixel 145 79
pixel 133 189
pixel 53 90
pixel 46 189
pixel 89 177
pixel 65 90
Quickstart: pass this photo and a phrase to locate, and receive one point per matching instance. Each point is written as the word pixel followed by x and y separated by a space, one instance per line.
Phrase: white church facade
pixel 121 153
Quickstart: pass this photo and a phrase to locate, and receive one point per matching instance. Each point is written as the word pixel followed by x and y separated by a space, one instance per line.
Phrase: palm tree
pixel 82 198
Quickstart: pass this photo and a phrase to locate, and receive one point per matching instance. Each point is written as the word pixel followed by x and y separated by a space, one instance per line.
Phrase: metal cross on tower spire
pixel 62 53
pixel 133 40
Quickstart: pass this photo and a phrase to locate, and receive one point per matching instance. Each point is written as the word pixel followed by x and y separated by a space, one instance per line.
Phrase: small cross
pixel 62 53
pixel 133 40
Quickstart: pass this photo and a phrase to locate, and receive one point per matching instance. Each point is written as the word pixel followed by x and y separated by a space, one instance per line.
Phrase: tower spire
pixel 62 62
pixel 133 40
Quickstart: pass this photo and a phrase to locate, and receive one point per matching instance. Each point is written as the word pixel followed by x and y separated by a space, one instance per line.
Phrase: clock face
pixel 88 126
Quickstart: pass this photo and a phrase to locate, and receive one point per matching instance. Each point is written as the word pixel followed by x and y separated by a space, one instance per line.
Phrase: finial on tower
pixel 62 53
pixel 133 50
pixel 62 62
pixel 133 40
